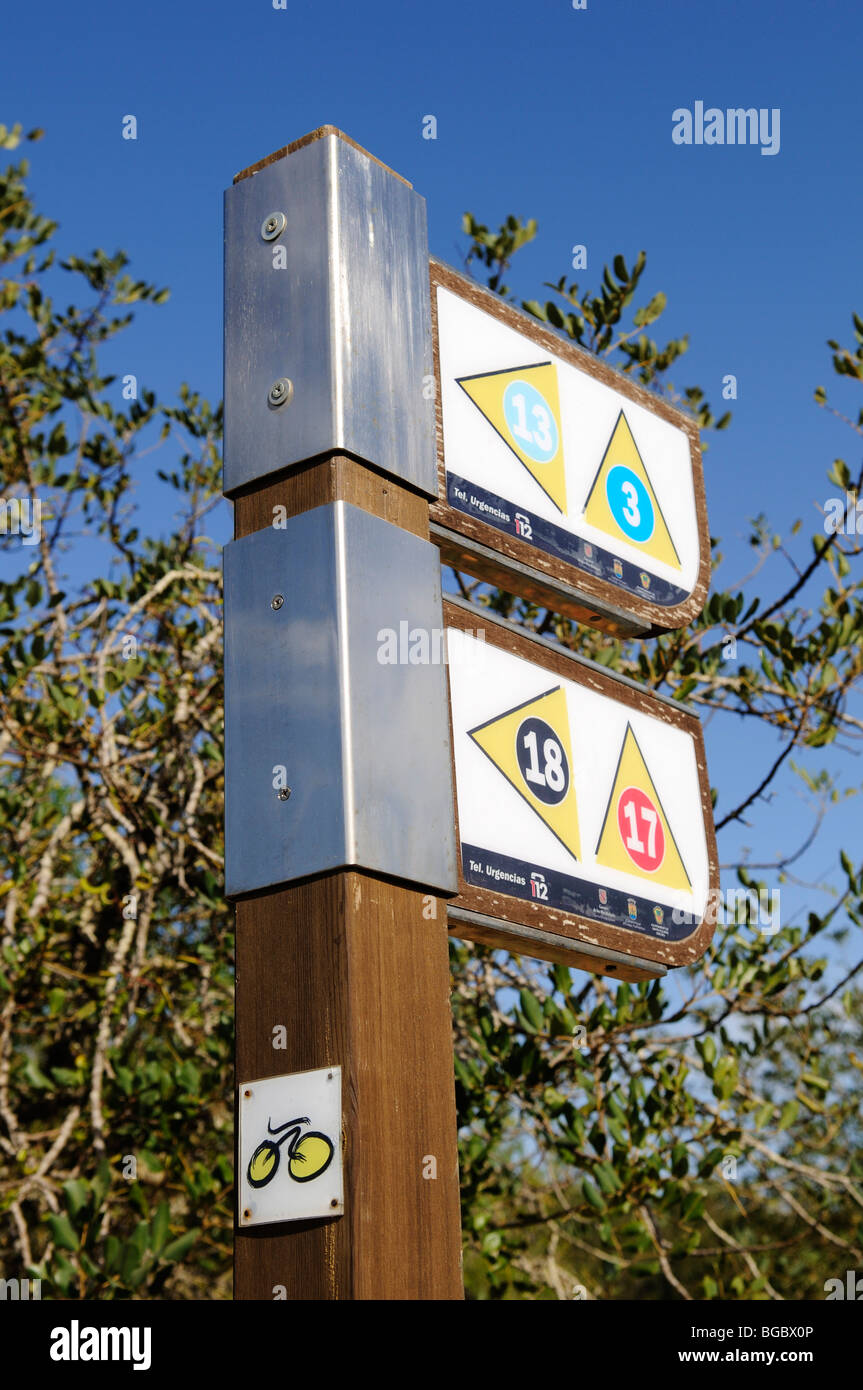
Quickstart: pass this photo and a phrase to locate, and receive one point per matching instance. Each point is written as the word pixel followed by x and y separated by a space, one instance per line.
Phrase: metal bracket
pixel 327 287
pixel 333 672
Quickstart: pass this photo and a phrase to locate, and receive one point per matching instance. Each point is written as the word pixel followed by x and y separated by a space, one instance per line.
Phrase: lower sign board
pixel 290 1147
pixel 559 478
pixel 584 817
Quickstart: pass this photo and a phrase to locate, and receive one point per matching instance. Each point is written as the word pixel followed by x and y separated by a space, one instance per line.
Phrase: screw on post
pixel 273 226
pixel 280 392
pixel 276 601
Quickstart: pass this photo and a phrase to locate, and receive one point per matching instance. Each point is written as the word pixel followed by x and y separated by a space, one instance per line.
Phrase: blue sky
pixel 542 111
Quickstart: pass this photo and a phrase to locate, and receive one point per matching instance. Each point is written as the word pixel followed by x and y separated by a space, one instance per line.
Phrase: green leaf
pixel 591 1194
pixel 531 1008
pixel 56 1000
pixel 725 1077
pixel 62 1233
pixel 811 1079
pixel 189 1077
pixel 160 1227
pixel 693 1206
pixel 616 1130
pixel 125 1079
pixel 607 1178
pixel 66 1076
pixel 178 1248
pixel 130 1264
pixel 35 1076
pixel 679 1160
pixel 77 1194
pixel 491 1242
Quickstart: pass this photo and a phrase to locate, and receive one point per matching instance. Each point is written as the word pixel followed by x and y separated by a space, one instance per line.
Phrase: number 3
pixel 632 514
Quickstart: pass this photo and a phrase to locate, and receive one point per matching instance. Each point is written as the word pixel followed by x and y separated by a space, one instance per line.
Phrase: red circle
pixel 640 826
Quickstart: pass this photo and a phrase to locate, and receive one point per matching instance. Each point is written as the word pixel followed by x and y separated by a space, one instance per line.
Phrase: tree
pixel 599 1161
pixel 115 965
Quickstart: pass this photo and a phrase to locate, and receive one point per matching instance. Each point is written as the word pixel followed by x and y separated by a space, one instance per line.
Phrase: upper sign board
pixel 560 479
pixel 584 817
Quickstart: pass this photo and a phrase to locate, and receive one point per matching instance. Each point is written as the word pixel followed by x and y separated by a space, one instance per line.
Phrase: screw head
pixel 334 1202
pixel 273 226
pixel 280 392
pixel 284 793
pixel 277 601
pixel 247 1214
pixel 247 1094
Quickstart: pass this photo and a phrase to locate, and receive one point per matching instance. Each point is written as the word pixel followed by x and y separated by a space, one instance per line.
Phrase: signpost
pixel 339 832
pixel 583 806
pixel 560 479
pixel 525 798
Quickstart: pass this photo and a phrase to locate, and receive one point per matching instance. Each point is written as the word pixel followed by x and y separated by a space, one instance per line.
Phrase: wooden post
pixel 354 965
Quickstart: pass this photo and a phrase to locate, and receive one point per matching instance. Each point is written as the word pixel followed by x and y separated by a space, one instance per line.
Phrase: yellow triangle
pixel 523 406
pixel 636 837
pixel 531 746
pixel 622 502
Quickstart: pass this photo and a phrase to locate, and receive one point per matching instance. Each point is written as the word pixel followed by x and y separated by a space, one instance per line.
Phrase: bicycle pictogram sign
pixel 309 1154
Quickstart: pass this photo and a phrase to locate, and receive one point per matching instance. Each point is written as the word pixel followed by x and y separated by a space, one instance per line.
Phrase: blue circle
pixel 630 503
pixel 530 421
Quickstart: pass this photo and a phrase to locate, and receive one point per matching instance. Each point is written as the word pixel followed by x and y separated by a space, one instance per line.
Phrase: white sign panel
pixel 576 799
pixel 551 454
pixel 290 1166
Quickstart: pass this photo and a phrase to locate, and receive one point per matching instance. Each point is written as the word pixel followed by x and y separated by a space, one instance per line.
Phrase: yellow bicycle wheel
pixel 310 1157
pixel 263 1164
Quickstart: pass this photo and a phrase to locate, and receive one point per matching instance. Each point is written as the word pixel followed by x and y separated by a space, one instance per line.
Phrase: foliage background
pixel 697 1138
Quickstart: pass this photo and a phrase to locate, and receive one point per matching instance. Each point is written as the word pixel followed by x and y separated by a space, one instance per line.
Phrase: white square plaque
pixel 291 1147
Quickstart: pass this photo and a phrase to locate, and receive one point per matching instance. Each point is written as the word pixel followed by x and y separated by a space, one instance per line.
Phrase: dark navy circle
pixel 542 761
